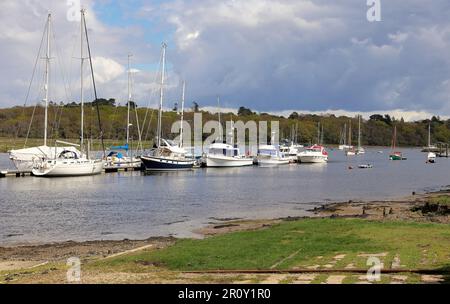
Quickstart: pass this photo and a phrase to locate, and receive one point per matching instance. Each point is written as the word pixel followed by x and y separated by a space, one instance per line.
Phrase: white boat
pixel 225 155
pixel 359 150
pixel 23 159
pixel 269 155
pixel 351 152
pixel 68 163
pixel 73 162
pixel 431 158
pixel 430 147
pixel 116 159
pixel 291 151
pixel 314 154
pixel 343 141
pixel 345 147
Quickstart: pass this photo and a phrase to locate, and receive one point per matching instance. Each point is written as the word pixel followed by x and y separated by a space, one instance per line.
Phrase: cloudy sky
pixel 269 55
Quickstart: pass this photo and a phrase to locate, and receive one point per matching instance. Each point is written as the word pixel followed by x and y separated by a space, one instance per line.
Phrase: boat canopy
pixel 223 149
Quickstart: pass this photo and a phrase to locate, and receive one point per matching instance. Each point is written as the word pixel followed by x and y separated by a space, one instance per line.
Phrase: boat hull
pixel 312 159
pixel 166 164
pixel 71 168
pixel 270 162
pixel 217 162
pixel 127 163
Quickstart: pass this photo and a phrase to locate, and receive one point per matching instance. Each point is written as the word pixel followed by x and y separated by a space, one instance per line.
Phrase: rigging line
pixel 59 109
pixel 146 112
pixel 62 70
pixel 152 91
pixel 95 88
pixel 149 125
pixel 32 79
pixel 113 120
pixel 39 88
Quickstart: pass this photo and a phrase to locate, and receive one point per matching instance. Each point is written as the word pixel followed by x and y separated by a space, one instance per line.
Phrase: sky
pixel 277 56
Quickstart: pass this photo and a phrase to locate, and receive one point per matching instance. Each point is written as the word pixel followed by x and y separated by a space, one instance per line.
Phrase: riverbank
pixel 410 236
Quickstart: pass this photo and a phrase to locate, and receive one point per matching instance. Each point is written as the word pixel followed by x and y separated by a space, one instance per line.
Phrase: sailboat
pixel 431 157
pixel 74 162
pixel 24 159
pixel 343 141
pixel 350 150
pixel 116 159
pixel 359 150
pixel 430 147
pixel 395 155
pixel 167 156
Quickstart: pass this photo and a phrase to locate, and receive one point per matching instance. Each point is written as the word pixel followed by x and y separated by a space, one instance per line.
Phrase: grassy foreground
pixel 340 246
pixel 303 244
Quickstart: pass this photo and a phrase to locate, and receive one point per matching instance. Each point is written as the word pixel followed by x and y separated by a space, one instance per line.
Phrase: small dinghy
pixel 368 166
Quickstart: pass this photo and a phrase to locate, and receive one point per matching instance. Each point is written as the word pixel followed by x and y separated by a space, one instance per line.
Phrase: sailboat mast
pixel 429 135
pixel 318 133
pixel 350 133
pixel 93 83
pixel 182 113
pixel 82 80
pixel 129 100
pixel 394 140
pixel 345 134
pixel 220 122
pixel 161 95
pixel 359 132
pixel 47 78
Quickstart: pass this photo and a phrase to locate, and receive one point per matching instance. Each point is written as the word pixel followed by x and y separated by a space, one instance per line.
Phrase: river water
pixel 137 206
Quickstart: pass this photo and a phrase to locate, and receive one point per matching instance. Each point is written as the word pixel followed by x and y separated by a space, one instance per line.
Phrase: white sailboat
pixel 116 159
pixel 359 150
pixel 350 150
pixel 25 158
pixel 343 142
pixel 431 156
pixel 167 156
pixel 74 162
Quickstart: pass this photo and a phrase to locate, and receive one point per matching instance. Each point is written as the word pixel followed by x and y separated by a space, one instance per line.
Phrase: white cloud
pixel 106 69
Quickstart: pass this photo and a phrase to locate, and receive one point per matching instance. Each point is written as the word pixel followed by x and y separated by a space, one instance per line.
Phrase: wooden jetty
pixel 17 173
pixel 14 173
pixel 443 150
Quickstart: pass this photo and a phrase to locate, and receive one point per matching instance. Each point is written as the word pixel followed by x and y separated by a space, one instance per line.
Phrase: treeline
pixel 64 123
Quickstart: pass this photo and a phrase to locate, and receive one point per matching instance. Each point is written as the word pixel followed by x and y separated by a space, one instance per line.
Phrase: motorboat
pixel 313 154
pixel 270 155
pixel 225 155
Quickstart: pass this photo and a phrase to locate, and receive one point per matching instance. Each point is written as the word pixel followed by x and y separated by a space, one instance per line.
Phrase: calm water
pixel 137 206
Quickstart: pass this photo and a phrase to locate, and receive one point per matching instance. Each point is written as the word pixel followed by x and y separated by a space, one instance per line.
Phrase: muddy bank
pixel 85 250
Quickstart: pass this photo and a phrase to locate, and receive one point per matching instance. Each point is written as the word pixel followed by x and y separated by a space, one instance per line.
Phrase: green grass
pixel 441 200
pixel 413 242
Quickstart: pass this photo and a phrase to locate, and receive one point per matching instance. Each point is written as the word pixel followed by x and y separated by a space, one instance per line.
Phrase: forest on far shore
pixel 64 123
